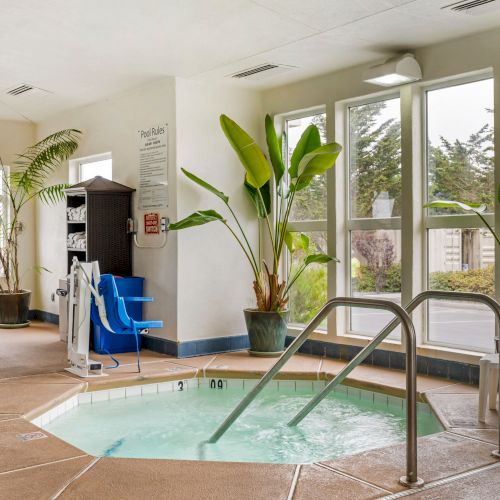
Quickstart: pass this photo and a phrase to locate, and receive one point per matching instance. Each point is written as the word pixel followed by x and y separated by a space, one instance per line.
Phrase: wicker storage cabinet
pixel 96 212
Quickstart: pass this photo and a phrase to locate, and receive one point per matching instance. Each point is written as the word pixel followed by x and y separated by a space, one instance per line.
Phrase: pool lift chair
pixel 95 296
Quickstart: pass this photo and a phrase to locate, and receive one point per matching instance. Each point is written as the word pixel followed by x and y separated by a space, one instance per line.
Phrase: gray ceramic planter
pixel 267 331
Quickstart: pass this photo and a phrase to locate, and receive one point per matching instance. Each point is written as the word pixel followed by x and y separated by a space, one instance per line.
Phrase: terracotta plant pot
pixel 267 331
pixel 14 309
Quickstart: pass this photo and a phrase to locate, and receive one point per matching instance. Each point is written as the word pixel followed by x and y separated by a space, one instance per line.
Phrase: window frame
pixel 361 224
pixel 304 226
pixel 414 220
pixel 453 221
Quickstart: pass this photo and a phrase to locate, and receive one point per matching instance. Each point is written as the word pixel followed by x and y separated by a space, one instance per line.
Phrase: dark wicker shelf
pixel 109 206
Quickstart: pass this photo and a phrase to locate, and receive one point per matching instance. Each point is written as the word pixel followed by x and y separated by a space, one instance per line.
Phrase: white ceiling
pixel 81 51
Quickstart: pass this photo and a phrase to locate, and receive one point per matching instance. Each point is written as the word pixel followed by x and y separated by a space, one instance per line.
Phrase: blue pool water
pixel 173 424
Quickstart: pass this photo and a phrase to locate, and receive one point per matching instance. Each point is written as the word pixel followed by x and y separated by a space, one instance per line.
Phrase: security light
pixel 395 71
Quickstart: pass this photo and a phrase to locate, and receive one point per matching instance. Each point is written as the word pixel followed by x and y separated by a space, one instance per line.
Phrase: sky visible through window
pixel 459 111
pixel 101 167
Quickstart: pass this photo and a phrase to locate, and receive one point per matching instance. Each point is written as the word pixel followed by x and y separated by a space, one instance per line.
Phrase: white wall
pixel 15 137
pixel 112 125
pixel 215 279
pixel 201 280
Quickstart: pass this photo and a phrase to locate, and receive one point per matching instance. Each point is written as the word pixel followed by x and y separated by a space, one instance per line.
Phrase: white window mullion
pixel 412 229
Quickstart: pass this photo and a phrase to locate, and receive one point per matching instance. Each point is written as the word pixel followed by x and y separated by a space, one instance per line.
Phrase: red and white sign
pixel 152 223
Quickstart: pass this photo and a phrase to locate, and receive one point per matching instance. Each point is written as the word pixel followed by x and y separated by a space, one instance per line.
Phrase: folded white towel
pixel 76 214
pixel 77 240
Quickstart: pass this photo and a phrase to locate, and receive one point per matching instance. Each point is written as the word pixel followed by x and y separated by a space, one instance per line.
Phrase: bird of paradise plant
pixel 269 185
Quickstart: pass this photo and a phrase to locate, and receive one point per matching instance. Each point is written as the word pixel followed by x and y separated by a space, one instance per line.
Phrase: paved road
pixel 468 325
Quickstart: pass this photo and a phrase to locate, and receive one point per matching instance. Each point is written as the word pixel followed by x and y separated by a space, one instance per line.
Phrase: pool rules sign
pixel 153 172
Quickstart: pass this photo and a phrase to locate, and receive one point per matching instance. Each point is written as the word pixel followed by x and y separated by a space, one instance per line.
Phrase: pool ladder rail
pixel 411 479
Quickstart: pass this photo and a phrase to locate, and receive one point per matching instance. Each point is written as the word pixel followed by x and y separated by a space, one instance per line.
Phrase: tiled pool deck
pixel 50 468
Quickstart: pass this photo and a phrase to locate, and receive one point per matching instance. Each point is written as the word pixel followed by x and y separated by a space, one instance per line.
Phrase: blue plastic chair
pixel 116 312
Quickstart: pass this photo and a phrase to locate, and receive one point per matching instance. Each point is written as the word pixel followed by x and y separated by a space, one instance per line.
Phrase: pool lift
pixel 95 296
pixel 81 277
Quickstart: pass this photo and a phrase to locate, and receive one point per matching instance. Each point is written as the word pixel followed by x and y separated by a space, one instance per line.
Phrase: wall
pixel 111 126
pixel 215 280
pixel 201 280
pixel 15 137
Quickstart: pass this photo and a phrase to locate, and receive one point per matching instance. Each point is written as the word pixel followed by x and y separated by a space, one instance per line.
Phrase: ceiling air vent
pixel 19 89
pixel 261 71
pixel 473 7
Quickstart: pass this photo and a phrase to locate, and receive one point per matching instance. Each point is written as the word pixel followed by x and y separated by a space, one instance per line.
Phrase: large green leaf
pixel 38 162
pixel 205 185
pixel 297 241
pixel 196 219
pixel 309 141
pixel 316 163
pixel 274 148
pixel 319 258
pixel 51 195
pixel 289 241
pixel 304 241
pixel 248 151
pixel 265 191
pixel 468 207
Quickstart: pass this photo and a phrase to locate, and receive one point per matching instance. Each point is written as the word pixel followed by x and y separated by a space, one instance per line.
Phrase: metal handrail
pixel 411 479
pixel 360 357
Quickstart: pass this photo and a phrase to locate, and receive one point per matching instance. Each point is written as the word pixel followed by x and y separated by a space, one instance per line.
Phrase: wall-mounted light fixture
pixel 395 71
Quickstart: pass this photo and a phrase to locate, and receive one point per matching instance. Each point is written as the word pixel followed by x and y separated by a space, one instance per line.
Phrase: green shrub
pixel 365 281
pixel 308 294
pixel 474 280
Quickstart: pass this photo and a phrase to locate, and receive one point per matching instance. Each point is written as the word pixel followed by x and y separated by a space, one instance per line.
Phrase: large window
pixel 460 166
pixel 440 148
pixel 374 211
pixel 308 216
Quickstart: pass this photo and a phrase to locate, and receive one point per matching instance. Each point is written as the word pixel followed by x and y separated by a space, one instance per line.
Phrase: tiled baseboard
pixel 195 347
pixel 452 370
pixel 43 316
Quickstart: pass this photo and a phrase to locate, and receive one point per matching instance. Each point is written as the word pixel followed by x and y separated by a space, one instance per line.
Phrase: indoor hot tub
pixel 173 420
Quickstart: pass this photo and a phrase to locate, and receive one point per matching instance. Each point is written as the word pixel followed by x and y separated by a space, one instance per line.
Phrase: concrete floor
pixel 32 381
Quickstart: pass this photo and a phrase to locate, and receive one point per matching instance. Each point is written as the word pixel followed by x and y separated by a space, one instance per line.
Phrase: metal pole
pixel 364 353
pixel 411 479
pixel 368 349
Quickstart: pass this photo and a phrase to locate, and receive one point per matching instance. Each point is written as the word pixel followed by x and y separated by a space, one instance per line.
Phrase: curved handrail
pixel 411 478
pixel 364 353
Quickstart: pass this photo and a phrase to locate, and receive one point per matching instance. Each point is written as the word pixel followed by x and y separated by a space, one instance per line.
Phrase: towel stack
pixel 77 214
pixel 77 240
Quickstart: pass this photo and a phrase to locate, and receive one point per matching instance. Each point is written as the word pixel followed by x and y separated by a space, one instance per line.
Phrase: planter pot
pixel 14 309
pixel 267 331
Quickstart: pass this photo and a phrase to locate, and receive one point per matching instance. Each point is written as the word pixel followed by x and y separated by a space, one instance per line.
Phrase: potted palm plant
pixel 25 182
pixel 269 185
